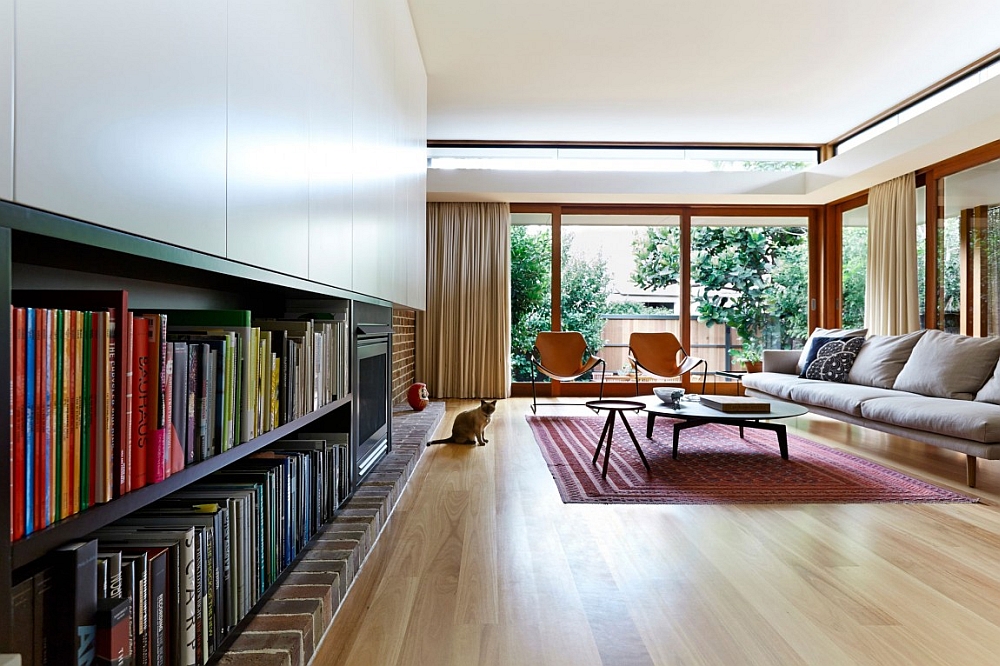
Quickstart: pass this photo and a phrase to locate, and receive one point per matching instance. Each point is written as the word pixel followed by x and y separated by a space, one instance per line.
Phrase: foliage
pixel 855 261
pixel 748 278
pixel 530 285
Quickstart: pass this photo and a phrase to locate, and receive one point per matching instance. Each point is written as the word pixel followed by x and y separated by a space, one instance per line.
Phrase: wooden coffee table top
pixel 696 410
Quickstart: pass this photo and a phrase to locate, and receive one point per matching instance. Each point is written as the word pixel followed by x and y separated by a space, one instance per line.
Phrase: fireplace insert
pixel 371 390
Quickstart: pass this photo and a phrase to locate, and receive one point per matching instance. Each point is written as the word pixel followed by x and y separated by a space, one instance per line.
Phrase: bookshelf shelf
pixel 33 546
pixel 45 251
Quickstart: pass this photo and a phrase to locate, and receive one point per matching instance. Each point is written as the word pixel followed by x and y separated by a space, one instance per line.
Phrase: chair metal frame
pixel 672 349
pixel 562 347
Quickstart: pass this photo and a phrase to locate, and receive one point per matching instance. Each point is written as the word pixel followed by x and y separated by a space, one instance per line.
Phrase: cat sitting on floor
pixel 470 425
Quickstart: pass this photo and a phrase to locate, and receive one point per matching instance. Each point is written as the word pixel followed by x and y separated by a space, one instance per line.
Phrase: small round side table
pixel 613 407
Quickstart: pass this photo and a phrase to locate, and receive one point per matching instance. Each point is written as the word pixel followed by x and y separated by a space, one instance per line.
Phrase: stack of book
pixel 168 583
pixel 106 400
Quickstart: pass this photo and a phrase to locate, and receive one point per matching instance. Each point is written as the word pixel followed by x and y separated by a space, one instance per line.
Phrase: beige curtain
pixel 891 305
pixel 463 338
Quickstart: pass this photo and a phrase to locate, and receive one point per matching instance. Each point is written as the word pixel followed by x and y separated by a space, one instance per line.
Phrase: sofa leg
pixel 970 470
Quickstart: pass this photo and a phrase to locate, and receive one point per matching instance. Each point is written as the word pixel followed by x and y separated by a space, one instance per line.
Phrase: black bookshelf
pixel 54 248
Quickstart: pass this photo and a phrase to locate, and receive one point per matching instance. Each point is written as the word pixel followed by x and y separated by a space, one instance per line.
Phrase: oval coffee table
pixel 695 414
pixel 613 407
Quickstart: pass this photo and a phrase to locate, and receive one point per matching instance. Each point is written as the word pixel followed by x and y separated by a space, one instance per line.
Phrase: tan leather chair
pixel 661 354
pixel 562 356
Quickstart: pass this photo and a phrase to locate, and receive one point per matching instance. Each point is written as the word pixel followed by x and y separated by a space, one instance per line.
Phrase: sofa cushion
pixel 991 389
pixel 946 365
pixel 777 384
pixel 834 358
pixel 977 421
pixel 881 359
pixel 846 398
pixel 826 333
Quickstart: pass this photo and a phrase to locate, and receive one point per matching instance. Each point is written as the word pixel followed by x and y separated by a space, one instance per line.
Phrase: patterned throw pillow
pixel 834 359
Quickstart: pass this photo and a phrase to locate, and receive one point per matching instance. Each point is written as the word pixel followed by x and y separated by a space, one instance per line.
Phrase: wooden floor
pixel 483 564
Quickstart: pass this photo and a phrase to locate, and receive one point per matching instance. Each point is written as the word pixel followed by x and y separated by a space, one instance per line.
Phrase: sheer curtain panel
pixel 891 305
pixel 463 338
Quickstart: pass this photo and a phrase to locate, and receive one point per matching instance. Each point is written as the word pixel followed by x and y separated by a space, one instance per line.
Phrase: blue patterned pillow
pixel 834 358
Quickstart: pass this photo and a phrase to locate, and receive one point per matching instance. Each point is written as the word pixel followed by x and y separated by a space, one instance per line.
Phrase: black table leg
pixel 690 423
pixel 777 428
pixel 650 418
pixel 634 440
pixel 604 433
pixel 607 447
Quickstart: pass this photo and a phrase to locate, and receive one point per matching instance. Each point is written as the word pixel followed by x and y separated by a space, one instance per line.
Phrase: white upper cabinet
pixel 120 112
pixel 268 186
pixel 7 99
pixel 331 34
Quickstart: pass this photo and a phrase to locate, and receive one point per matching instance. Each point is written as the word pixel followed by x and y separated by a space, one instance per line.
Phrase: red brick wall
pixel 404 349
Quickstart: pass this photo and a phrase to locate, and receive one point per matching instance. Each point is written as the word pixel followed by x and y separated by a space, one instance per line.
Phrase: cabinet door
pixel 7 99
pixel 121 115
pixel 268 186
pixel 330 150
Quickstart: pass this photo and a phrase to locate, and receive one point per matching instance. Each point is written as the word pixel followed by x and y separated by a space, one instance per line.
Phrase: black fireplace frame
pixel 372 381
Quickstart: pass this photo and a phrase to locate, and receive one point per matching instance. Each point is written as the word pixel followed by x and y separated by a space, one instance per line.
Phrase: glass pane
pixel 749 287
pixel 854 256
pixel 619 274
pixel 530 287
pixel 922 253
pixel 969 256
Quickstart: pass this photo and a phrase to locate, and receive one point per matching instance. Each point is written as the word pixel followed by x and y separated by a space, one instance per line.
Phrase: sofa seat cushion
pixel 846 398
pixel 965 419
pixel 777 384
pixel 947 365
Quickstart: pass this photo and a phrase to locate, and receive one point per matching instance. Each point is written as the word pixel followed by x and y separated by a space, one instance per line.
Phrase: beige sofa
pixel 930 386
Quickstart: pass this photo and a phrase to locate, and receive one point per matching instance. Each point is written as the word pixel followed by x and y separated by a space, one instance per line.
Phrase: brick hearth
pixel 292 621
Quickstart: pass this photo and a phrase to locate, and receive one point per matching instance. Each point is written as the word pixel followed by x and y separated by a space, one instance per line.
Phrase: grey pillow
pixel 826 333
pixel 991 390
pixel 882 358
pixel 946 365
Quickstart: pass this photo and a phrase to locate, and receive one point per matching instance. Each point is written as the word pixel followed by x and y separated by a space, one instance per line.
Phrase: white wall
pixel 121 115
pixel 7 99
pixel 285 135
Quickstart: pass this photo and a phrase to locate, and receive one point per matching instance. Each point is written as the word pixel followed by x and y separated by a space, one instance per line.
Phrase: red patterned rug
pixel 714 466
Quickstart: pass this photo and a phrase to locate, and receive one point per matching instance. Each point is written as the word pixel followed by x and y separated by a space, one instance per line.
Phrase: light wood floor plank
pixel 483 564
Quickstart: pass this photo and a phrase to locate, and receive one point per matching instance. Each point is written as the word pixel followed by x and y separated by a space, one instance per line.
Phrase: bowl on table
pixel 669 395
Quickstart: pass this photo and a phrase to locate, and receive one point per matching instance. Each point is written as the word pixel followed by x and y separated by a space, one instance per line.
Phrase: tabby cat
pixel 470 425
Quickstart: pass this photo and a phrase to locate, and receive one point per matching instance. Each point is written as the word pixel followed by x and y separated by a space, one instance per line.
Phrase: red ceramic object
pixel 418 397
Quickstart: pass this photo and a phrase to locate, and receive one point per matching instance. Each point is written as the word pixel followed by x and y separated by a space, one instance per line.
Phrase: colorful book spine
pixel 142 417
pixel 17 389
pixel 155 449
pixel 60 506
pixel 86 415
pixel 78 381
pixel 179 407
pixel 168 409
pixel 30 457
pixel 127 376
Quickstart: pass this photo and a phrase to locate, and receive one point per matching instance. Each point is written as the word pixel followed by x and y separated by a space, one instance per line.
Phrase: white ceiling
pixel 763 71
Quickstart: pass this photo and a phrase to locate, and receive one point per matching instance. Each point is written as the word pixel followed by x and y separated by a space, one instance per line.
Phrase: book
pixel 155 405
pixel 180 620
pixel 30 457
pixel 114 643
pixel 49 595
pixel 136 577
pixel 74 632
pixel 23 616
pixel 141 401
pixel 179 407
pixel 731 403
pixel 244 359
pixel 113 301
pixel 17 410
